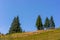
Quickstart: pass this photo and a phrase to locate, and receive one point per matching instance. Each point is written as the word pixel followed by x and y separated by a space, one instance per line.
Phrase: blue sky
pixel 27 10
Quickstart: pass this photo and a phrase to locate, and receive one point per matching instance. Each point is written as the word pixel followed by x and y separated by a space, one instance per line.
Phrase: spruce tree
pixel 52 24
pixel 39 24
pixel 15 26
pixel 47 23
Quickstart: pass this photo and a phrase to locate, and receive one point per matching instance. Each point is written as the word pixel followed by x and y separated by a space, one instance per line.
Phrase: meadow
pixel 37 35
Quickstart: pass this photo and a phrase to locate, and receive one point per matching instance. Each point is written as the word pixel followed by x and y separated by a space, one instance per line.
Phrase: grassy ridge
pixel 38 35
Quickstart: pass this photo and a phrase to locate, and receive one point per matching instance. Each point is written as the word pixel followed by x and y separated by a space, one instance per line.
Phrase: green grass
pixel 44 35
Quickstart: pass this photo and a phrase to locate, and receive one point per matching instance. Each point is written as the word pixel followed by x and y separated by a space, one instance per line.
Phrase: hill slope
pixel 38 35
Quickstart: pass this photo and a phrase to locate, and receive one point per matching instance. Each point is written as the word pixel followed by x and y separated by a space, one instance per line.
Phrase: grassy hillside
pixel 38 35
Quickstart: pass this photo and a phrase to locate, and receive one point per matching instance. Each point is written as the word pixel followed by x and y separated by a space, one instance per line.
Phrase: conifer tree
pixel 15 26
pixel 39 24
pixel 52 24
pixel 47 23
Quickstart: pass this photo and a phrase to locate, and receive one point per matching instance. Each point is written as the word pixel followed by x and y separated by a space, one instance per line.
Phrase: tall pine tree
pixel 47 23
pixel 52 24
pixel 15 26
pixel 39 24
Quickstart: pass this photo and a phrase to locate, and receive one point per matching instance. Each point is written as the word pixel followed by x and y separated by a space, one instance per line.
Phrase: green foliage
pixel 15 26
pixel 39 23
pixel 52 24
pixel 47 23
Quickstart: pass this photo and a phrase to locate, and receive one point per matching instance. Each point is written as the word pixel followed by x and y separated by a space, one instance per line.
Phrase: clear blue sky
pixel 27 10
